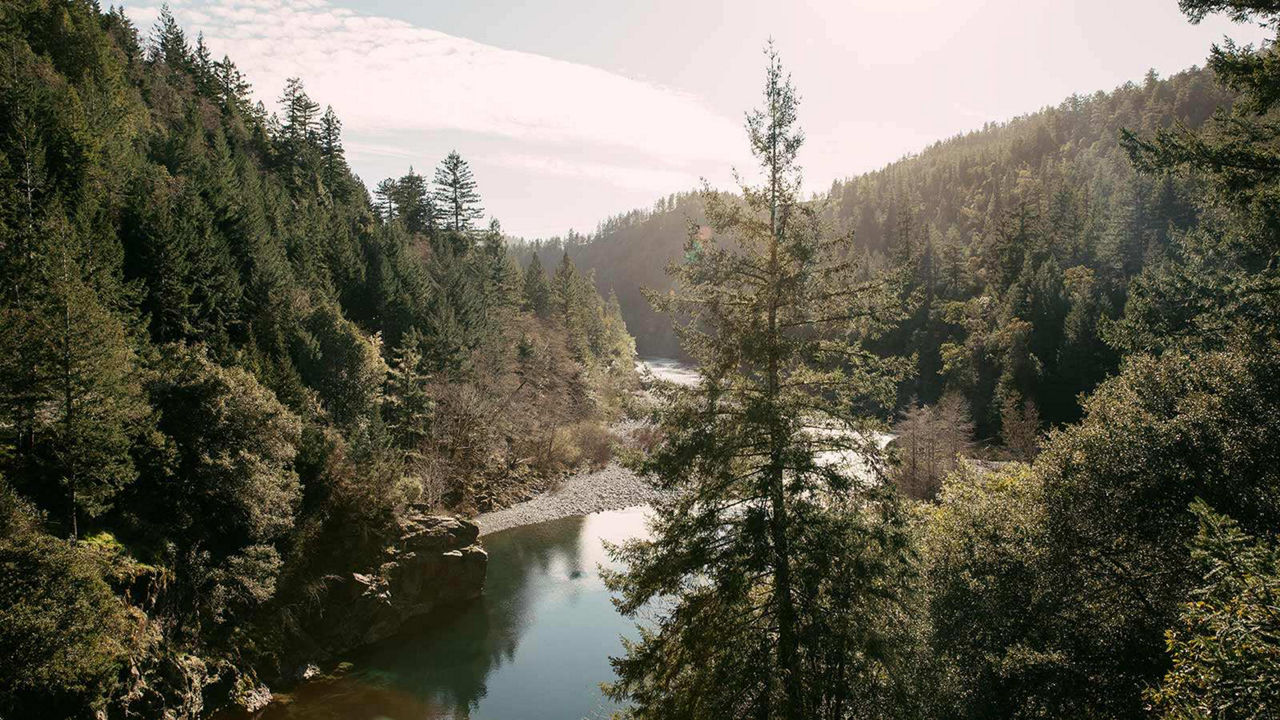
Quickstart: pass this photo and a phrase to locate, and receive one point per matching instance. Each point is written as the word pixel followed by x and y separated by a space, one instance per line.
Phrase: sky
pixel 570 111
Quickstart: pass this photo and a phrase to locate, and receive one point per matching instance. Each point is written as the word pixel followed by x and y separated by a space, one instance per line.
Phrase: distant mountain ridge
pixel 973 215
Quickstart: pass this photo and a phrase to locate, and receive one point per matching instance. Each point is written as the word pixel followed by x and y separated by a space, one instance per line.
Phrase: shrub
pixel 62 631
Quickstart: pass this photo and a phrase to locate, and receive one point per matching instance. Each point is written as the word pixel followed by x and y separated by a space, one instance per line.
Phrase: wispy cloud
pixel 384 75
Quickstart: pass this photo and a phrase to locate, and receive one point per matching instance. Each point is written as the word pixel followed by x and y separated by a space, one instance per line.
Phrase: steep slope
pixel 225 380
pixel 1019 240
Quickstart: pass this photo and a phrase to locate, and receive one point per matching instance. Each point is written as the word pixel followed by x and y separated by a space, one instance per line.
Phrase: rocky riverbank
pixel 611 488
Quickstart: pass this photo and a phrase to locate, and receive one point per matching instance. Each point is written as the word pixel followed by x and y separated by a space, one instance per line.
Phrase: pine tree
pixel 84 402
pixel 299 124
pixel 564 286
pixel 456 200
pixel 1219 287
pixel 413 204
pixel 232 88
pixel 169 42
pixel 537 291
pixel 498 273
pixel 334 162
pixel 763 552
pixel 407 405
pixel 384 203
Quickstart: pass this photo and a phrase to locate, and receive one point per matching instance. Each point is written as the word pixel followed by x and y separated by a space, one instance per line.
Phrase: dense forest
pixel 227 370
pixel 1019 242
pixel 231 372
pixel 1125 567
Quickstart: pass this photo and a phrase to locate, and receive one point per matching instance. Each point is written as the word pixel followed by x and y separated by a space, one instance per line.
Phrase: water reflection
pixel 535 647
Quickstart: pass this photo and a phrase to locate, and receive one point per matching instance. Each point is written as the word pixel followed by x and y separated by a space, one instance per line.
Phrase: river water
pixel 535 647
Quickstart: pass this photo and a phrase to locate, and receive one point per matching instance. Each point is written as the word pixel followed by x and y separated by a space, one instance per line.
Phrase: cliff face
pixel 435 562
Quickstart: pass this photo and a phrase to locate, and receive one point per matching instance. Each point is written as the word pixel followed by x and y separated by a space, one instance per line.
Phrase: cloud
pixel 628 176
pixel 384 75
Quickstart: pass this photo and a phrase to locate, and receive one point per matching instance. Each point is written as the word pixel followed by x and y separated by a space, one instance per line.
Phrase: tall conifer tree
pixel 766 549
pixel 456 200
pixel 537 291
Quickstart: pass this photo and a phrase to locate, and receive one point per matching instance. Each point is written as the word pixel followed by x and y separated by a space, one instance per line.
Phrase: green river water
pixel 535 647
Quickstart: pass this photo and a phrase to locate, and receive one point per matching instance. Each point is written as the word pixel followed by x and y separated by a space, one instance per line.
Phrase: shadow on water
pixel 536 646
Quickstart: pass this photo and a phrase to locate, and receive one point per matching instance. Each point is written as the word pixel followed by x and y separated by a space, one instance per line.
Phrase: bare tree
pixel 932 439
pixel 1020 428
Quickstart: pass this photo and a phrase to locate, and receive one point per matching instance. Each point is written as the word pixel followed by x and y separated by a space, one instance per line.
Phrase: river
pixel 535 647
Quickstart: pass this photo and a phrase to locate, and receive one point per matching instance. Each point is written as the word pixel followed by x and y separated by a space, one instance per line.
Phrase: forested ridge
pixel 230 373
pixel 1124 564
pixel 1019 240
pixel 227 370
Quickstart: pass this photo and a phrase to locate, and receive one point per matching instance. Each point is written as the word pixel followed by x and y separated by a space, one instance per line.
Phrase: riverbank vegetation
pixel 1020 242
pixel 229 372
pixel 1123 567
pixel 226 370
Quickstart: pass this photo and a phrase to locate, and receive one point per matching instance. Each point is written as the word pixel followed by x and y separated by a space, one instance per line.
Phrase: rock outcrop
pixel 435 562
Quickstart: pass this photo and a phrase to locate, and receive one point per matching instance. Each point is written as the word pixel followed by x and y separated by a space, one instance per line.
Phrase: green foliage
pixel 457 203
pixel 1110 561
pixel 781 575
pixel 64 635
pixel 227 452
pixel 992 607
pixel 1226 645
pixel 342 364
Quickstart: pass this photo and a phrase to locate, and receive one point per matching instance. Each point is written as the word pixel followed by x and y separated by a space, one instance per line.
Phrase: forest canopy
pixel 207 315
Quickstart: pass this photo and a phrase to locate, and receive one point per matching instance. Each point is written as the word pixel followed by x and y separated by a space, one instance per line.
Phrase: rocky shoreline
pixel 610 488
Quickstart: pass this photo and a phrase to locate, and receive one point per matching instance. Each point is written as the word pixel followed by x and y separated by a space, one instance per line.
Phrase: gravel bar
pixel 611 488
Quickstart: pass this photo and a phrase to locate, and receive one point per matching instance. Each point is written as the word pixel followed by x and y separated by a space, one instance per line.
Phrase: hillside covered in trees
pixel 232 375
pixel 226 371
pixel 1019 242
pixel 1125 566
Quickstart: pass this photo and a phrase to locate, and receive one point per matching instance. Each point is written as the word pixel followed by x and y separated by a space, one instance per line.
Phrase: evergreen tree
pixel 73 396
pixel 764 553
pixel 95 392
pixel 232 88
pixel 385 203
pixel 1218 286
pixel 169 42
pixel 334 163
pixel 407 404
pixel 537 290
pixel 456 201
pixel 1226 645
pixel 299 124
pixel 565 287
pixel 413 204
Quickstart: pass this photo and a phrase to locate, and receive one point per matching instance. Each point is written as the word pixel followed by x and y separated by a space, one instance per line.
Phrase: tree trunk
pixel 788 653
